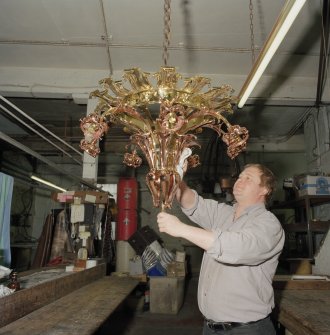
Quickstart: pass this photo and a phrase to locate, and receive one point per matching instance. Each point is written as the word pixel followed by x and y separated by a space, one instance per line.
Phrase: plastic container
pixel 156 270
pixel 124 253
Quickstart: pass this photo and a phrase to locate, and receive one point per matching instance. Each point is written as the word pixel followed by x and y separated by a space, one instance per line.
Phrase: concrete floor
pixel 131 319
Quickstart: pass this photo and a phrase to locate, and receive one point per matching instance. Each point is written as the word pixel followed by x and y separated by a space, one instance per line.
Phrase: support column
pixel 90 164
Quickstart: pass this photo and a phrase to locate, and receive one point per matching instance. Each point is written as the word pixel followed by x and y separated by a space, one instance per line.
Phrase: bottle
pixel 146 304
pixel 14 283
pixel 82 252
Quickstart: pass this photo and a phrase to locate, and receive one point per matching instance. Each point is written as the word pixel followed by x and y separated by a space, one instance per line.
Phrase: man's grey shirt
pixel 236 274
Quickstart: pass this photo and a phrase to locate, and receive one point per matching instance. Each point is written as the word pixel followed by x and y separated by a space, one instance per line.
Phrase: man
pixel 242 244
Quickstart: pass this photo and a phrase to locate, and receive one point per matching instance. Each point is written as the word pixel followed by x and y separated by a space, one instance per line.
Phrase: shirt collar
pixel 252 208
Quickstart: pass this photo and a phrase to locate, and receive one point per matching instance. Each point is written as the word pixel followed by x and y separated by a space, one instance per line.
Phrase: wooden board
pixel 80 312
pixel 287 283
pixel 25 301
pixel 304 312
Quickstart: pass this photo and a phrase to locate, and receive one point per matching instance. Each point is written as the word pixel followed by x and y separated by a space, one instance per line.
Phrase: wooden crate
pixel 166 294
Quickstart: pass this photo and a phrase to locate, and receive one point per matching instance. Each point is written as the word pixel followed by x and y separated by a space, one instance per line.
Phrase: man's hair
pixel 267 179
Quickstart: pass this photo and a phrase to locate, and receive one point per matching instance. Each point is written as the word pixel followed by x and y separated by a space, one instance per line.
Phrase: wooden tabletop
pixel 304 312
pixel 80 312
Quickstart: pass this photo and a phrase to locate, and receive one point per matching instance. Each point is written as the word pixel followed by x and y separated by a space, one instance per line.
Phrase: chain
pixel 167 30
pixel 251 30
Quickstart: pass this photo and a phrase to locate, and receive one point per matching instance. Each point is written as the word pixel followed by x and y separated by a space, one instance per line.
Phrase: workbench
pixel 80 312
pixel 303 307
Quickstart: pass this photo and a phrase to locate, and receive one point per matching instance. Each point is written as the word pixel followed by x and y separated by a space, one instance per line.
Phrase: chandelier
pixel 185 106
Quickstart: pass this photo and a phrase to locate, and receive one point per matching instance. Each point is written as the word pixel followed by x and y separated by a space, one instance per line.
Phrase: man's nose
pixel 236 182
pixel 239 181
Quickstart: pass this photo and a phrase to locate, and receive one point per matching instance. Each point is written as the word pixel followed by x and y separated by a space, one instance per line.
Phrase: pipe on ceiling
pixel 59 169
pixel 38 133
pixel 40 125
pixel 106 37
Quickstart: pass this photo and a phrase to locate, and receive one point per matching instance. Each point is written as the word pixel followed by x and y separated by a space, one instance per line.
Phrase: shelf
pixel 315 226
pixel 23 245
pixel 319 226
pixel 305 222
pixel 93 197
pixel 314 200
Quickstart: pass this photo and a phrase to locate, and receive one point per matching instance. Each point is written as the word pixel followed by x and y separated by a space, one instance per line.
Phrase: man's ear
pixel 265 191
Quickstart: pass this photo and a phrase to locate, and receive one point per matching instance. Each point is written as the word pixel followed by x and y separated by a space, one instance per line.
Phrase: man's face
pixel 247 187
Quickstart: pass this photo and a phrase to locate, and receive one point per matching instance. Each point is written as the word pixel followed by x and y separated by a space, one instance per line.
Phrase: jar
pixel 14 283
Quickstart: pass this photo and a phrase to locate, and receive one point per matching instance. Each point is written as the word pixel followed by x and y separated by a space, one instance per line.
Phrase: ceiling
pixel 53 53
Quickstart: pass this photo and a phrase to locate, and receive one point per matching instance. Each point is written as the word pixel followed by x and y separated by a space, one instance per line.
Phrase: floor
pixel 132 319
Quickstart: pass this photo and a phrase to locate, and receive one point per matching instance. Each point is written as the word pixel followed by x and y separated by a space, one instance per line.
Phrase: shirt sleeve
pixel 260 239
pixel 206 212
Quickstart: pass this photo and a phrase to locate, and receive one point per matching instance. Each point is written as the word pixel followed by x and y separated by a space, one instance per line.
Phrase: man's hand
pixel 170 224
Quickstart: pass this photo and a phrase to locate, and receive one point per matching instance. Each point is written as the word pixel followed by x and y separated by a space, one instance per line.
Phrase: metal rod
pixel 39 134
pixel 40 125
pixel 56 167
pixel 104 21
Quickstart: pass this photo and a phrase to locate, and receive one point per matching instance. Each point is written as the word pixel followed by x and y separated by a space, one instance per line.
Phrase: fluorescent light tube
pixel 286 18
pixel 43 181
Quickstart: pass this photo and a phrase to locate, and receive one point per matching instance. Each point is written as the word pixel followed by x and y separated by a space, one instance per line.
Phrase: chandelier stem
pixel 167 30
pixel 252 32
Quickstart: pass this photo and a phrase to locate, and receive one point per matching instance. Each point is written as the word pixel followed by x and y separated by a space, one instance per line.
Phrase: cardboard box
pixel 313 185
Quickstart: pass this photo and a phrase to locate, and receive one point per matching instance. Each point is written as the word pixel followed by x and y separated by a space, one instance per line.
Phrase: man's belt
pixel 228 325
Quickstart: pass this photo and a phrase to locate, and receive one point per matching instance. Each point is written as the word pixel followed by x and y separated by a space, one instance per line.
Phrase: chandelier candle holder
pixel 182 112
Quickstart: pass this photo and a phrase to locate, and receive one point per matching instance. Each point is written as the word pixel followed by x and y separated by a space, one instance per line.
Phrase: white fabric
pixel 77 213
pixel 185 154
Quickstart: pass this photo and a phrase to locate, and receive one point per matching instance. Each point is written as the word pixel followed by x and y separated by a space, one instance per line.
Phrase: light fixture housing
pixel 45 182
pixel 287 16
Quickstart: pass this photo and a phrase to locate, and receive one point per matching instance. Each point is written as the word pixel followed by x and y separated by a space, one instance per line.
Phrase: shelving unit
pixel 304 220
pixel 93 197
